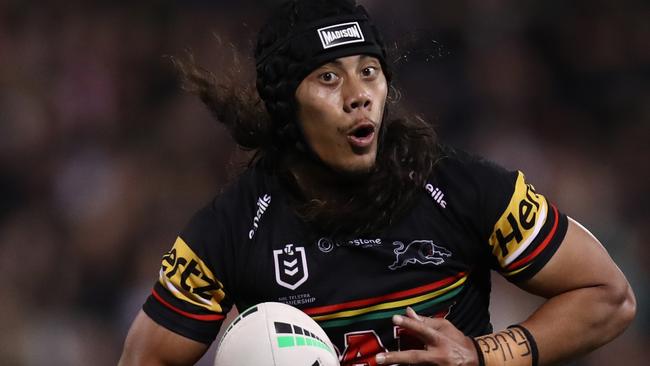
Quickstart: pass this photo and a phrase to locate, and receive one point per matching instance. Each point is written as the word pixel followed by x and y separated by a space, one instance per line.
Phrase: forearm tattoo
pixel 510 347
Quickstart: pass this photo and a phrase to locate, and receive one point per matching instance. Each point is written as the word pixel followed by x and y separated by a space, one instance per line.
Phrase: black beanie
pixel 298 38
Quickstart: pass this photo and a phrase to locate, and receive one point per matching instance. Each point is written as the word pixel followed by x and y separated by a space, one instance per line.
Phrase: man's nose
pixel 356 96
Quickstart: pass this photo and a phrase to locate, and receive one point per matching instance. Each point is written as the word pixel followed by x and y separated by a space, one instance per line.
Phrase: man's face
pixel 340 108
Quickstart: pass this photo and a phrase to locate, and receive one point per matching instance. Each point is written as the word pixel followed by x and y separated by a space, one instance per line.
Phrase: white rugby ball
pixel 275 334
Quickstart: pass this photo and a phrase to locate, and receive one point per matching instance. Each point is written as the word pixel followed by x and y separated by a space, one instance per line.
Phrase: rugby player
pixel 357 215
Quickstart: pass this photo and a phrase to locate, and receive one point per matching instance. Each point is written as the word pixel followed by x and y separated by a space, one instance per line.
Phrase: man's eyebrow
pixel 337 62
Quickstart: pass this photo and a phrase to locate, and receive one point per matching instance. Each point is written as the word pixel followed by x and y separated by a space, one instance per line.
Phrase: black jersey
pixel 248 246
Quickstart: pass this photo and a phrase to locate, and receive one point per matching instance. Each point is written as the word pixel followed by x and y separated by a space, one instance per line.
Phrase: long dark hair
pixel 406 155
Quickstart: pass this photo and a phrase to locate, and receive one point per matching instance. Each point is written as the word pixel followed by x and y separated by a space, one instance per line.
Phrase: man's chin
pixel 359 170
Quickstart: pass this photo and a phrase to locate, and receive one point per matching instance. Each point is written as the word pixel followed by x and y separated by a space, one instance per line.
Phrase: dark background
pixel 103 159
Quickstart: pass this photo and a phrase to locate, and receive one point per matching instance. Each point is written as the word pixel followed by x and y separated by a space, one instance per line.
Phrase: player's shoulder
pixel 228 211
pixel 247 186
pixel 459 167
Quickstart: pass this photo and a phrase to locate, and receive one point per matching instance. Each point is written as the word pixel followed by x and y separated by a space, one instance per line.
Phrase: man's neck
pixel 318 181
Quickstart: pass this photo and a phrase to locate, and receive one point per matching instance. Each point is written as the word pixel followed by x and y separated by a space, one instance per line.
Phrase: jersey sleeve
pixel 189 297
pixel 525 229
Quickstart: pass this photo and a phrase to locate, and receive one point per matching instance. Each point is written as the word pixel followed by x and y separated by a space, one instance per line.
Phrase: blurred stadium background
pixel 103 159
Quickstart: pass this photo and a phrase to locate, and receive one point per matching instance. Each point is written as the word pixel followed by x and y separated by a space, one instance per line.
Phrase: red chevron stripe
pixel 541 247
pixel 207 317
pixel 379 299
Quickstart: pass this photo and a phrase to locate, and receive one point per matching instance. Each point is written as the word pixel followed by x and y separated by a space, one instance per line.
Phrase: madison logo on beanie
pixel 340 34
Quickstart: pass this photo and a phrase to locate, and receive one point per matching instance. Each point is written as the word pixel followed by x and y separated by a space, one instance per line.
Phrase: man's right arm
pixel 148 343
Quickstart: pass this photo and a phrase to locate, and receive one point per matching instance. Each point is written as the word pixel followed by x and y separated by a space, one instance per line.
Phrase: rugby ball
pixel 275 334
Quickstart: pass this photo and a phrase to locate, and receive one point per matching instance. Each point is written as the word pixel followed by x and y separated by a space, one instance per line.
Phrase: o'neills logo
pixel 436 194
pixel 340 34
pixel 262 204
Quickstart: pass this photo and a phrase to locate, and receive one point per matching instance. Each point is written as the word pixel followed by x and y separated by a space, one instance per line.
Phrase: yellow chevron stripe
pixel 516 271
pixel 392 304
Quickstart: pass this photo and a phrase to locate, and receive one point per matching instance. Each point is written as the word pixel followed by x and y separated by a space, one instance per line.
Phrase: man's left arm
pixel 589 302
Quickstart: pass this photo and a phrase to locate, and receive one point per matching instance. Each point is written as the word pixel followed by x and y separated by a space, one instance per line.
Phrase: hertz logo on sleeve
pixel 185 275
pixel 519 225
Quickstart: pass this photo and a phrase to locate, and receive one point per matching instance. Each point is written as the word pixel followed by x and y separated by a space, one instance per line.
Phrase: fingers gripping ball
pixel 275 334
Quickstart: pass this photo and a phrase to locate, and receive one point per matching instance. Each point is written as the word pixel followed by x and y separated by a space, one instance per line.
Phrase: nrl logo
pixel 340 34
pixel 418 251
pixel 290 266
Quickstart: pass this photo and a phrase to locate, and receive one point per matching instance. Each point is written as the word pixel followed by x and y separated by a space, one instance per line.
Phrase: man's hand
pixel 444 344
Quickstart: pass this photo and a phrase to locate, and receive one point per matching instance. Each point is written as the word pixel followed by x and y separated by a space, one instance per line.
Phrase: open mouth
pixel 363 131
pixel 362 135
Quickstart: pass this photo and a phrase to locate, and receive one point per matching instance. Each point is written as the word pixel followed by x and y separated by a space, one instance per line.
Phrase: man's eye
pixel 328 77
pixel 369 71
